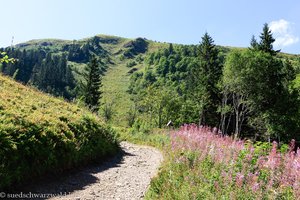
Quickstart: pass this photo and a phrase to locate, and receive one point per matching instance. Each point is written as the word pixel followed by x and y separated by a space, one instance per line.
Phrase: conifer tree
pixel 209 56
pixel 171 49
pixel 267 40
pixel 253 43
pixel 204 80
pixel 92 93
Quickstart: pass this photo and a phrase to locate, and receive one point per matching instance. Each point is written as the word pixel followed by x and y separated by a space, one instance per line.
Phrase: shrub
pixel 130 64
pixel 131 116
pixel 108 110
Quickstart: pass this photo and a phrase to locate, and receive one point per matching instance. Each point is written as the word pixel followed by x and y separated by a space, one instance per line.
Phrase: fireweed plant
pixel 204 164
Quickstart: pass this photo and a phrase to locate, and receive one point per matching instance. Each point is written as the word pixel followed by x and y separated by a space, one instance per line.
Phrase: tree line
pixel 50 71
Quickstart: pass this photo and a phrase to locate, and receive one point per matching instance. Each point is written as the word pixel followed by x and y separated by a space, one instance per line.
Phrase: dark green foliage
pixel 54 76
pixel 180 84
pixel 203 82
pixel 257 89
pixel 266 41
pixel 171 48
pixel 81 53
pixel 46 66
pixel 257 94
pixel 160 91
pixel 251 97
pixel 91 89
pixel 209 57
pixel 25 61
pixel 260 92
pixel 48 72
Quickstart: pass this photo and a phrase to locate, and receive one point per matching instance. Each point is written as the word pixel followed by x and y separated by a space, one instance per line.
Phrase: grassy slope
pixel 117 79
pixel 40 134
pixel 115 84
pixel 31 105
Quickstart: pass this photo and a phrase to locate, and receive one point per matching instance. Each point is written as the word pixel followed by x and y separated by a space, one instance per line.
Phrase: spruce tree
pixel 267 40
pixel 92 93
pixel 209 60
pixel 203 82
pixel 171 49
pixel 253 43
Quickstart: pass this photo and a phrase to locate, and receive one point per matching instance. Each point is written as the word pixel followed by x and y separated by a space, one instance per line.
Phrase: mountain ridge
pixel 114 37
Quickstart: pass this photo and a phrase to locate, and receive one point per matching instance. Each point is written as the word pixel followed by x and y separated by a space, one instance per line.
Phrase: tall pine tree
pixel 203 82
pixel 253 43
pixel 266 41
pixel 92 93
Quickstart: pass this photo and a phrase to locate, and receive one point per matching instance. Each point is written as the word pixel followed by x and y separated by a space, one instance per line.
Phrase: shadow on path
pixel 70 181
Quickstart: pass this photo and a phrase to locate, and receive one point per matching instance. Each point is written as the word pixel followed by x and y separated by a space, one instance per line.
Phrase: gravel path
pixel 127 176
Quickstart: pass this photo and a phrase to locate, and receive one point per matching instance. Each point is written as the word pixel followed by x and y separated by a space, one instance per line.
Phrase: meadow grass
pixel 117 80
pixel 115 86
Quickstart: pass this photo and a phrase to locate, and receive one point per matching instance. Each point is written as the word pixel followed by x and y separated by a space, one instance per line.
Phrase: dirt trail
pixel 126 176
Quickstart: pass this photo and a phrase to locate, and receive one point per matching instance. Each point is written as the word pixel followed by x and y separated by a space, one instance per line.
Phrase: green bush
pixel 130 64
pixel 108 110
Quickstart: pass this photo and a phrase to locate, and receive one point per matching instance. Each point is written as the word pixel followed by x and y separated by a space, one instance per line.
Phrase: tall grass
pixel 205 165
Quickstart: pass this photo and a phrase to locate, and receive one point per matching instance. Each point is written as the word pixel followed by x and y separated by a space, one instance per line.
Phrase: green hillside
pixel 115 55
pixel 41 134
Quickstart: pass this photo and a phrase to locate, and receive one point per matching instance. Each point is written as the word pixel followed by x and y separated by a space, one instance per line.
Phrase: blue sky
pixel 230 22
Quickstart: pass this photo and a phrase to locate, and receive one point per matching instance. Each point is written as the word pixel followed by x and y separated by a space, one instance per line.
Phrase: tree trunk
pixel 228 123
pixel 200 117
pixel 223 114
pixel 237 120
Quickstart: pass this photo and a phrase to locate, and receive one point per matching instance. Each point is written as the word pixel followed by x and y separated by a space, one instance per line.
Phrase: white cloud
pixel 283 33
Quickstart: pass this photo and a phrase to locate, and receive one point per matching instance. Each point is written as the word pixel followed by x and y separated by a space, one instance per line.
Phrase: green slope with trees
pixel 145 84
